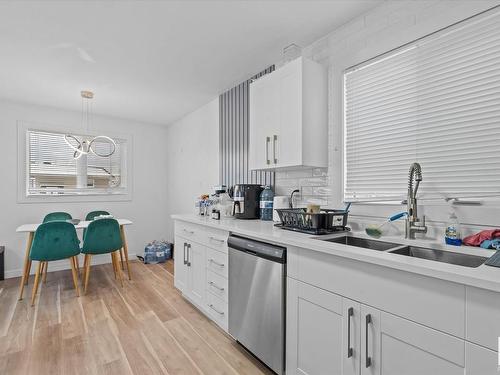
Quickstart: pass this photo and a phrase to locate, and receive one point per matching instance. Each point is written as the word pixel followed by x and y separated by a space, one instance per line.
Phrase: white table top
pixel 26 228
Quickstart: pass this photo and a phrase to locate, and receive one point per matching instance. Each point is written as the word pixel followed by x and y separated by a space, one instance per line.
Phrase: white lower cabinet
pixel 196 285
pixel 200 272
pixel 313 330
pixel 180 264
pixel 330 334
pixel 480 360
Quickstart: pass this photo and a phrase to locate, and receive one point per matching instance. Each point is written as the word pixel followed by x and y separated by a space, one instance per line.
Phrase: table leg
pixel 27 266
pixel 125 251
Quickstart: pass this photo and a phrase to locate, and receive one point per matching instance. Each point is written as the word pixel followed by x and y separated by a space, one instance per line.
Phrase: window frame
pixel 89 196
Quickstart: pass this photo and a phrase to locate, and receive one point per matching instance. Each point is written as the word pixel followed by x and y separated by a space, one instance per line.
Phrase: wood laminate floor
pixel 146 327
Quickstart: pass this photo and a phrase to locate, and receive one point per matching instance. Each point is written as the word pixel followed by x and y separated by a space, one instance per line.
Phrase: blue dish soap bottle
pixel 266 204
pixel 452 234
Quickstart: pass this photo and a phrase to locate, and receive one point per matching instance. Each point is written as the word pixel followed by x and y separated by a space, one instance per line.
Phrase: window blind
pixel 52 167
pixel 435 101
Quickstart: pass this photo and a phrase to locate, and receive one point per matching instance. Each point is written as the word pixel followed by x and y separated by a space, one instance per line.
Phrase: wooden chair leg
pixel 125 251
pixel 28 273
pixel 118 268
pixel 77 264
pixel 74 272
pixel 121 258
pixel 37 280
pixel 88 258
pixel 113 263
pixel 44 271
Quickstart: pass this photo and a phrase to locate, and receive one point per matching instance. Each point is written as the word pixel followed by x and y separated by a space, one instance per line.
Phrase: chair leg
pixel 74 272
pixel 88 258
pixel 29 271
pixel 44 271
pixel 113 263
pixel 118 268
pixel 77 264
pixel 121 259
pixel 37 281
pixel 125 251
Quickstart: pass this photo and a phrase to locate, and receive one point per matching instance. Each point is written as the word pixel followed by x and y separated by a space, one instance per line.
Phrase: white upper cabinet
pixel 289 117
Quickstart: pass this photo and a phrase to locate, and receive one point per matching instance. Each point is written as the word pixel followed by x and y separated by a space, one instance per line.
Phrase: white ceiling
pixel 153 61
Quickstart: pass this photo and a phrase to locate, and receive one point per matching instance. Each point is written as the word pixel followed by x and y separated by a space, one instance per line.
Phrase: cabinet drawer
pixel 482 316
pixel 217 285
pixel 188 231
pixel 480 361
pixel 216 239
pixel 217 262
pixel 217 310
pixel 211 237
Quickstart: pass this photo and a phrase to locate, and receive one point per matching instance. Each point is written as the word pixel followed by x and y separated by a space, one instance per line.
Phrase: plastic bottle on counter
pixel 266 203
pixel 452 234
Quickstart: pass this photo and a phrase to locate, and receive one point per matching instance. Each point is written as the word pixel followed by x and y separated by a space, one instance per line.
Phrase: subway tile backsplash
pixel 312 183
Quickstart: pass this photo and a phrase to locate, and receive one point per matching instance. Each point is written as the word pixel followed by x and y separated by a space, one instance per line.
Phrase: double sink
pixel 436 255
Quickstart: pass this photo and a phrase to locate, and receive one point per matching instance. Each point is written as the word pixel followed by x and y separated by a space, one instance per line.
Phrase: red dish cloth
pixel 478 238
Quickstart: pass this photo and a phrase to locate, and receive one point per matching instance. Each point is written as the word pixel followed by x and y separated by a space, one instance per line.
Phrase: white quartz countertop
pixel 486 277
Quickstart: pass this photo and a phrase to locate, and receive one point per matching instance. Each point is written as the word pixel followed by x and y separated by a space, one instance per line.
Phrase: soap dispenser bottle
pixel 453 235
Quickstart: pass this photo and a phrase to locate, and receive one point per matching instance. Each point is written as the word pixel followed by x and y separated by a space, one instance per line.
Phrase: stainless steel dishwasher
pixel 257 280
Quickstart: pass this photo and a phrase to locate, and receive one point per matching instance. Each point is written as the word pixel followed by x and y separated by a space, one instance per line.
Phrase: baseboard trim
pixel 61 265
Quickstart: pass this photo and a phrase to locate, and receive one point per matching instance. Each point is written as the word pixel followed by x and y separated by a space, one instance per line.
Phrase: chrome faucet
pixel 413 223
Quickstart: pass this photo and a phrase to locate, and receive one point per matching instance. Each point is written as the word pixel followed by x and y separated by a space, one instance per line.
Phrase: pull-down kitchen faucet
pixel 413 224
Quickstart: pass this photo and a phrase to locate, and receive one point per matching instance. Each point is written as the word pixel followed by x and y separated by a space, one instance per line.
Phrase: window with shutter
pixel 52 167
pixel 435 101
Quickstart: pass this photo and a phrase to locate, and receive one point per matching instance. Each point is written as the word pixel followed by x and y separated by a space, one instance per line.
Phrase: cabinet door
pixel 398 346
pixel 287 140
pixel 196 273
pixel 481 361
pixel 264 120
pixel 314 330
pixel 180 267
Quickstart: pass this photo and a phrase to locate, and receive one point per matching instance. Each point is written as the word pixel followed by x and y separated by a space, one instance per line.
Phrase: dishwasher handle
pixel 257 248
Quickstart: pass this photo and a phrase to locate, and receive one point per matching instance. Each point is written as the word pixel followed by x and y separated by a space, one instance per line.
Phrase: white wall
pixel 149 199
pixel 192 159
pixel 388 26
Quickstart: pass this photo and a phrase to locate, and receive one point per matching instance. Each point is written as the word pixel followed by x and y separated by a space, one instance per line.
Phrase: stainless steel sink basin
pixel 363 242
pixel 465 260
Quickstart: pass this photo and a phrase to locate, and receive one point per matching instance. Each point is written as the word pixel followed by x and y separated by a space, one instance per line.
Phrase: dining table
pixel 30 229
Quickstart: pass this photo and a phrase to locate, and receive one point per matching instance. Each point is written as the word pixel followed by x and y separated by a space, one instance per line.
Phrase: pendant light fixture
pixel 84 146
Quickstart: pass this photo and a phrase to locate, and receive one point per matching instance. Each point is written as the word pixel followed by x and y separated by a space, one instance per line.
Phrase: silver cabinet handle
pixel 350 313
pixel 216 286
pixel 211 260
pixel 188 231
pixel 185 260
pixel 268 140
pixel 368 359
pixel 275 139
pixel 217 311
pixel 216 239
pixel 189 254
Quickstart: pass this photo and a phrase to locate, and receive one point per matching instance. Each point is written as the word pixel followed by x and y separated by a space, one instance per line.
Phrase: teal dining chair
pixel 52 216
pixel 54 240
pixel 93 214
pixel 57 216
pixel 102 237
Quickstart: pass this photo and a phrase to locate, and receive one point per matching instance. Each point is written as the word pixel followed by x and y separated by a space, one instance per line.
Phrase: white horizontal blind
pixel 436 102
pixel 52 167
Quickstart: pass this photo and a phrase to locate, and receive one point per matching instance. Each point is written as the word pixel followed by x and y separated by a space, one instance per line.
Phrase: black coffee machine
pixel 246 203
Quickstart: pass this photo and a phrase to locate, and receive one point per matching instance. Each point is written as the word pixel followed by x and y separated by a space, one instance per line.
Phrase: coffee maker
pixel 246 203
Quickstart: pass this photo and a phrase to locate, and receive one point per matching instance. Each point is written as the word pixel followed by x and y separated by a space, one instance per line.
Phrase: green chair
pixel 102 237
pixel 57 216
pixel 93 214
pixel 54 240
